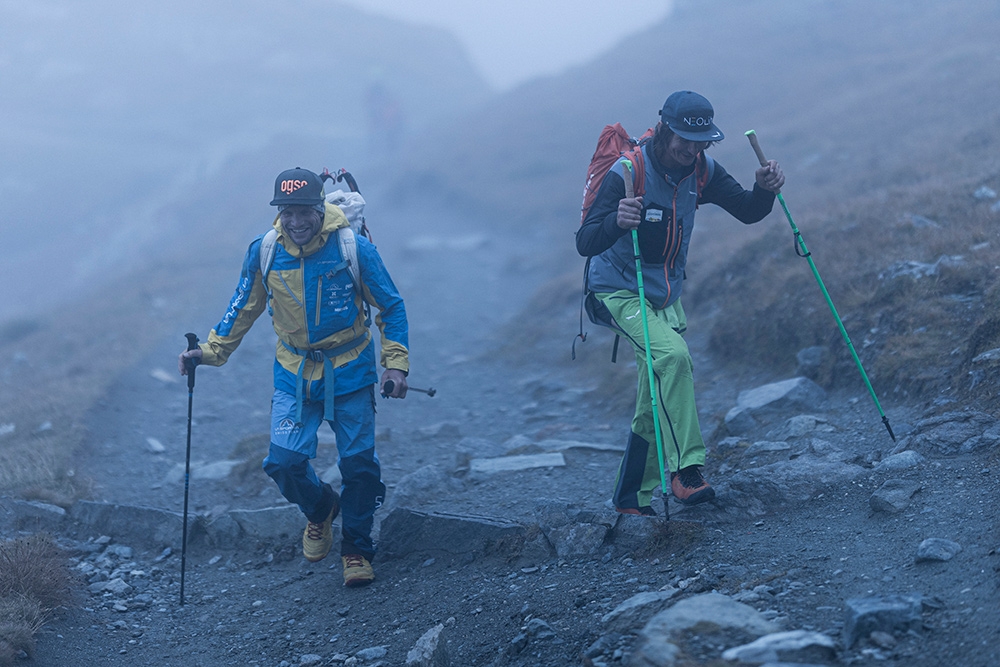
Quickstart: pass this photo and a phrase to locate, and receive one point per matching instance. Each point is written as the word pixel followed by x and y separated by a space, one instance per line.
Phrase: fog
pixel 513 42
pixel 137 134
pixel 115 117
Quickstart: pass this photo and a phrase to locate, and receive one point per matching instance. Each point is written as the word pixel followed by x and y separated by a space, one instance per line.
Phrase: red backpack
pixel 613 144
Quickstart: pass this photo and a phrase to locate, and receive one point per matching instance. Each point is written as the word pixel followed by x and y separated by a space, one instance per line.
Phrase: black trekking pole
pixel 802 251
pixel 390 385
pixel 192 341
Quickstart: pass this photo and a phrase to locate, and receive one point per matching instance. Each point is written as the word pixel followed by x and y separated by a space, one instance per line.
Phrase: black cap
pixel 690 116
pixel 298 187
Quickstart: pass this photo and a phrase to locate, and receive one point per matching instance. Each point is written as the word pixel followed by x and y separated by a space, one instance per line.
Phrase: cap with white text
pixel 690 116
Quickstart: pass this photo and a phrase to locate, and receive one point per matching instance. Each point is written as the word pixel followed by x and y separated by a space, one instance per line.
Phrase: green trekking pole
pixel 802 251
pixel 629 194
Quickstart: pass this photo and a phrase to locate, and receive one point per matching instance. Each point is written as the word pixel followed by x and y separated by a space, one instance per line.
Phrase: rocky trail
pixel 828 543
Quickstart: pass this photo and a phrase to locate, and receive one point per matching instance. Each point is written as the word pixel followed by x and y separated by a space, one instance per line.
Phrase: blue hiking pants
pixel 293 445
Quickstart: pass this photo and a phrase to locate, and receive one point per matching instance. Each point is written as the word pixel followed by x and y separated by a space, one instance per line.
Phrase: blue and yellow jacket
pixel 315 305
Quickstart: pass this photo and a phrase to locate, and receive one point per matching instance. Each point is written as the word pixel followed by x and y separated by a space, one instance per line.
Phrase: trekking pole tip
pixel 885 420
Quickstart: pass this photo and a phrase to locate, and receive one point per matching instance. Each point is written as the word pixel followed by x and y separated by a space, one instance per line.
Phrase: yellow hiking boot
pixel 357 570
pixel 318 537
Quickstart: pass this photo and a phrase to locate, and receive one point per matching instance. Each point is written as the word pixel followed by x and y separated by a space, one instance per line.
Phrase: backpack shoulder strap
pixel 267 249
pixel 704 170
pixel 639 171
pixel 348 243
pixel 349 252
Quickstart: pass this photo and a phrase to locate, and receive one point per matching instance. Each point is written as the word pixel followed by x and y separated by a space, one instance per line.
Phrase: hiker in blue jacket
pixel 324 367
pixel 678 178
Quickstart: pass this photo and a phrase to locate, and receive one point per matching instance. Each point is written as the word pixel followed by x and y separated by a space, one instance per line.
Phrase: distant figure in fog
pixel 385 118
pixel 678 178
pixel 315 287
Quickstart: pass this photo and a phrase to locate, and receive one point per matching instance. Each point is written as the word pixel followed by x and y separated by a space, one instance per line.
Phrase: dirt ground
pixel 268 606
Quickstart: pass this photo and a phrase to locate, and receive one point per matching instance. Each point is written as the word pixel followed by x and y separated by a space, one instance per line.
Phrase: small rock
pixel 630 613
pixel 885 614
pixel 517 462
pixel 985 192
pixel 372 653
pixel 791 646
pixel 921 221
pixel 117 586
pixel 518 643
pixel 894 495
pixel 882 639
pixel 119 551
pixel 937 549
pixel 539 629
pixel 430 650
pixel 901 461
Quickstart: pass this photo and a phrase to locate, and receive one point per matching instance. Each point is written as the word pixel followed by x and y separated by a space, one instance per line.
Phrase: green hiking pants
pixel 639 472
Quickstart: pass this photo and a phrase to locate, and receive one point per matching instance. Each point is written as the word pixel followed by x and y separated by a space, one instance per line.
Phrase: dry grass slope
pixel 913 275
pixel 34 580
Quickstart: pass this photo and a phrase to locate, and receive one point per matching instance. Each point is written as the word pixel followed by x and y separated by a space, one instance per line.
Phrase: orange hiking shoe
pixel 318 537
pixel 689 487
pixel 357 570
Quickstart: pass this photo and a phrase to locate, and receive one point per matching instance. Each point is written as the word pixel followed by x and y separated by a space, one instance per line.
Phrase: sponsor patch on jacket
pixel 654 215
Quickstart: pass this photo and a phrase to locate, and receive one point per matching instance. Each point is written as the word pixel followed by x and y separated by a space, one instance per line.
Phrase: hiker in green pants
pixel 682 442
pixel 676 177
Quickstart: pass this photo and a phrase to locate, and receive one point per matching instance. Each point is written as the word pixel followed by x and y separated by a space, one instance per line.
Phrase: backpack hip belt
pixel 325 355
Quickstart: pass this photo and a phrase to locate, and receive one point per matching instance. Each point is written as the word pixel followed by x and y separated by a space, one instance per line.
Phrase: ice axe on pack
pixel 390 385
pixel 802 251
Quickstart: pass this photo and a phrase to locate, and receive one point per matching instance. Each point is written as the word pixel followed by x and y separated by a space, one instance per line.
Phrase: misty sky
pixel 511 41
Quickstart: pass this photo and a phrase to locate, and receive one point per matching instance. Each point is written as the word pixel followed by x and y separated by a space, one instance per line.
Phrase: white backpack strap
pixel 267 249
pixel 349 253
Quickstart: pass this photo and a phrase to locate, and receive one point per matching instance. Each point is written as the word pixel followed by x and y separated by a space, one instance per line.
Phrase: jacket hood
pixel 333 220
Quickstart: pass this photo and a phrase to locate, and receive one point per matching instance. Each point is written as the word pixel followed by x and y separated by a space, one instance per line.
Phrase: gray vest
pixel 664 236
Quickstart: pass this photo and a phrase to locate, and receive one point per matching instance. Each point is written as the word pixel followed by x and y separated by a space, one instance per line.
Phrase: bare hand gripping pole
pixel 192 341
pixel 629 194
pixel 802 251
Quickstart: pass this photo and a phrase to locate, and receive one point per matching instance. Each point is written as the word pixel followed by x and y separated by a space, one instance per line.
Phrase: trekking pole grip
pixel 752 136
pixel 192 340
pixel 627 175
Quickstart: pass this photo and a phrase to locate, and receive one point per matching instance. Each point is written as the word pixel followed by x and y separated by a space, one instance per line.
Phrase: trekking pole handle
pixel 752 136
pixel 390 385
pixel 627 175
pixel 755 144
pixel 192 340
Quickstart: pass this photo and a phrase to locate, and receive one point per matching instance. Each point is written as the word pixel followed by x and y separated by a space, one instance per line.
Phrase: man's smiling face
pixel 301 223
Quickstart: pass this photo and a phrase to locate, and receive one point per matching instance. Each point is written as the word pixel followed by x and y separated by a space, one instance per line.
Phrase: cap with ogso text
pixel 298 187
